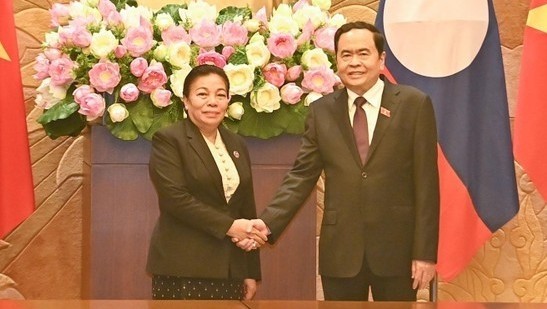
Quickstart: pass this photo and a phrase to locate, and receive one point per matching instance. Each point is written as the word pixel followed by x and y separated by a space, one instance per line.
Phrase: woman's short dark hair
pixel 376 34
pixel 203 70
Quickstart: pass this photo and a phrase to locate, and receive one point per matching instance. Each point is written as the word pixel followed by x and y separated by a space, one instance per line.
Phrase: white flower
pixel 258 54
pixel 52 39
pixel 164 21
pixel 311 13
pixel 160 52
pixel 177 79
pixel 257 37
pixel 48 95
pixel 118 112
pixel 266 99
pixel 252 25
pixel 337 20
pixel 241 78
pixel 314 58
pixel 282 10
pixel 311 97
pixel 235 110
pixel 322 4
pixel 199 10
pixel 131 16
pixel 283 24
pixel 179 54
pixel 103 43
pixel 84 10
pixel 91 3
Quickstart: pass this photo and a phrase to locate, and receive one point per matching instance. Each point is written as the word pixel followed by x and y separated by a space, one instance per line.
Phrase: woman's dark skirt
pixel 173 287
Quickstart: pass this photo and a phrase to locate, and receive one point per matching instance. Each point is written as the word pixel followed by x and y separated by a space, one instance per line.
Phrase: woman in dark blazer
pixel 201 172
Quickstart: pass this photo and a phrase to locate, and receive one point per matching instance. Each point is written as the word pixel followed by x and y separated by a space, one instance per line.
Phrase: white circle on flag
pixel 435 38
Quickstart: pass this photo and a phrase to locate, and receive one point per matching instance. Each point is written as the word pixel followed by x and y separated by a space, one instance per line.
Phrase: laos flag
pixel 451 50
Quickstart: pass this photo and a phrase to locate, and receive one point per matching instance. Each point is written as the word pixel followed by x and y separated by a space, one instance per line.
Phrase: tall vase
pixel 121 210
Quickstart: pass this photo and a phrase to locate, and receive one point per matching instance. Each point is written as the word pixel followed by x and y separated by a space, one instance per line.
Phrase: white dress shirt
pixel 372 107
pixel 225 165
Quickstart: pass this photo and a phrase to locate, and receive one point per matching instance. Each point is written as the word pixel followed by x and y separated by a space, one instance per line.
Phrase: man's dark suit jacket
pixel 189 238
pixel 388 209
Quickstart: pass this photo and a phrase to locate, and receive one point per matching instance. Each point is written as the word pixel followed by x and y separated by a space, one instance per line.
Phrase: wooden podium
pixel 120 210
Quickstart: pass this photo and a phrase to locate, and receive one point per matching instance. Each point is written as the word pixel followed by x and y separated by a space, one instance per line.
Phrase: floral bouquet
pixel 122 65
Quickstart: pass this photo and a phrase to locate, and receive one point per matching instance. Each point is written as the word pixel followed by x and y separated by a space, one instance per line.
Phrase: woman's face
pixel 207 102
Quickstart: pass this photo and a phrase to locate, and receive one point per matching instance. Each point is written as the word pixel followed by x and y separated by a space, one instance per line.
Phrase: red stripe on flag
pixel 16 186
pixel 530 143
pixel 461 232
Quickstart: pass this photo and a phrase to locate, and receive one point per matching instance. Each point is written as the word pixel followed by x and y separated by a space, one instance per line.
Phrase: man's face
pixel 358 61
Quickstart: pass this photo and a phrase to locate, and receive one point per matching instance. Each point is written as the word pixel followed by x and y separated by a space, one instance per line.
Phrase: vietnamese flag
pixel 530 136
pixel 16 186
pixel 451 50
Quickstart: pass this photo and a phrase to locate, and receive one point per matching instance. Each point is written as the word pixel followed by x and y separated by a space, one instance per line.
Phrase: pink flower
pixel 106 7
pixel 307 31
pixel 41 67
pixel 161 97
pixel 154 77
pixel 291 93
pixel 138 66
pixel 324 38
pixel 61 72
pixel 92 105
pixel 59 14
pixel 81 92
pixel 109 12
pixel 129 92
pixel 211 57
pixel 120 51
pixel 104 76
pixel 234 34
pixel 282 45
pixel 75 34
pixel 52 53
pixel 261 15
pixel 227 51
pixel 275 73
pixel 175 34
pixel 139 40
pixel 293 73
pixel 300 4
pixel 320 79
pixel 206 34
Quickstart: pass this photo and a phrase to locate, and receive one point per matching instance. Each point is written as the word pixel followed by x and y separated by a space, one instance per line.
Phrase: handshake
pixel 248 234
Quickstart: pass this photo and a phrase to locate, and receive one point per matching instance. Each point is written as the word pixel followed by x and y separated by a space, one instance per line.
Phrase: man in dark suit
pixel 380 224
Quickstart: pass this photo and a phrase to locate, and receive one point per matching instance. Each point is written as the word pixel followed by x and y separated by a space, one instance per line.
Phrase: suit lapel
pixel 390 102
pixel 197 142
pixel 340 112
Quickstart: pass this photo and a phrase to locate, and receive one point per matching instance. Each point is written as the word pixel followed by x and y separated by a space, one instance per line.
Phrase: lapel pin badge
pixel 386 112
pixel 236 154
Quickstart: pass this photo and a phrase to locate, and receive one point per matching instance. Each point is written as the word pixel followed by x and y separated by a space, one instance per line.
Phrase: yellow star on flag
pixel 537 18
pixel 3 53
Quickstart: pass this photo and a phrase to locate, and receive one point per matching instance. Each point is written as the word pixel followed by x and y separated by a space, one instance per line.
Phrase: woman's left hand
pixel 250 288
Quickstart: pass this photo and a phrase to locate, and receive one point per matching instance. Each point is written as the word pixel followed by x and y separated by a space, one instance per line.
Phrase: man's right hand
pixel 256 238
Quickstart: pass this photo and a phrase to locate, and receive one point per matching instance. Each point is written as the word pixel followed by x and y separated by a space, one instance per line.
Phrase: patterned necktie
pixel 360 128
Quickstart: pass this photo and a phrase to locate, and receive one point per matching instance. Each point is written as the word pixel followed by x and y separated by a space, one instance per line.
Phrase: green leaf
pixel 173 10
pixel 262 125
pixel 69 126
pixel 164 117
pixel 239 56
pixel 61 110
pixel 230 13
pixel 124 130
pixel 141 113
pixel 298 114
